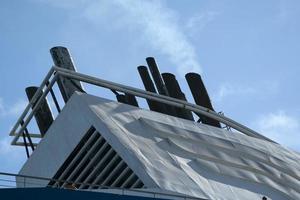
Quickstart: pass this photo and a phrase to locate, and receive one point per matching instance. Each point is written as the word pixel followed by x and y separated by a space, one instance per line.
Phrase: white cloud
pixel 17 107
pixel 5 146
pixel 281 127
pixel 226 90
pixel 233 90
pixel 9 151
pixel 66 4
pixel 157 25
pixel 200 20
pixel 13 109
pixel 12 157
pixel 1 107
pixel 283 13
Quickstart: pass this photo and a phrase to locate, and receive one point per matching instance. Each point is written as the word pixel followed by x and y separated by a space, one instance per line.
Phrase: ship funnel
pixel 62 58
pixel 161 88
pixel 160 85
pixel 43 115
pixel 201 97
pixel 175 92
pixel 149 86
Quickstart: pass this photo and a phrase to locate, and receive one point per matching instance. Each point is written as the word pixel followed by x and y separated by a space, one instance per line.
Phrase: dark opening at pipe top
pixel 62 57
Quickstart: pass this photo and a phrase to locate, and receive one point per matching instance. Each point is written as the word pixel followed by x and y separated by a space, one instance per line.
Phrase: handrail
pixel 95 185
pixel 31 102
pixel 56 71
pixel 36 106
pixel 162 99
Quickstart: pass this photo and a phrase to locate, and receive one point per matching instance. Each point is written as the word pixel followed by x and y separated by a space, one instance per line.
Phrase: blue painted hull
pixel 64 194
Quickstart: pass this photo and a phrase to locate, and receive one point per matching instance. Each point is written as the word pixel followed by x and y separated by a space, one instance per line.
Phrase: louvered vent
pixel 94 162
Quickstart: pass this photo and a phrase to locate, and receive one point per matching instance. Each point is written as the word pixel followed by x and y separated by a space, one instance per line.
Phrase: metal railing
pixel 10 180
pixel 56 72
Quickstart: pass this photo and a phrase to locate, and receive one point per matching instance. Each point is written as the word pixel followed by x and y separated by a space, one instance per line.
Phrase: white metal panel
pixel 182 156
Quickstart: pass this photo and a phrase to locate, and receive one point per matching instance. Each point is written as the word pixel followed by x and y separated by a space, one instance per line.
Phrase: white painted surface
pixel 173 154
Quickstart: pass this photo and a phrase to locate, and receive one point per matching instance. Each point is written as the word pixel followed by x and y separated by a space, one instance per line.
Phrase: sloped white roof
pixel 174 154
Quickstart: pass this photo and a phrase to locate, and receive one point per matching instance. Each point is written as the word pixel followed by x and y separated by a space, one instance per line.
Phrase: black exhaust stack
pixel 62 58
pixel 43 115
pixel 160 85
pixel 126 98
pixel 149 86
pixel 201 97
pixel 175 92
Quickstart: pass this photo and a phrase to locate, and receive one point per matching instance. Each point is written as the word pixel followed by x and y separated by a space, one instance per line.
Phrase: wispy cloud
pixel 281 127
pixel 163 32
pixel 2 110
pixel 199 21
pixel 226 90
pixel 233 90
pixel 283 14
pixel 5 146
pixel 12 157
pixel 12 109
pixel 156 24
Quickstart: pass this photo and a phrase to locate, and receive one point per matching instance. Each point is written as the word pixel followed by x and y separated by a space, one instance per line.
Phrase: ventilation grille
pixel 94 162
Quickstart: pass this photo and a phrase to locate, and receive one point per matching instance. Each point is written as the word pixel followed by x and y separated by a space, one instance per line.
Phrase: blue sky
pixel 246 51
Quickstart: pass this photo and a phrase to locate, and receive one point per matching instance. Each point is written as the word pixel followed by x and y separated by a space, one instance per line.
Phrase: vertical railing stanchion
pixel 54 98
pixel 25 143
pixel 25 131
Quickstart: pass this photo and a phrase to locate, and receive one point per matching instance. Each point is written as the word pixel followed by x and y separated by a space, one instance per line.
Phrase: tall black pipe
pixel 175 92
pixel 160 85
pixel 161 88
pixel 43 115
pixel 201 97
pixel 62 58
pixel 149 86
